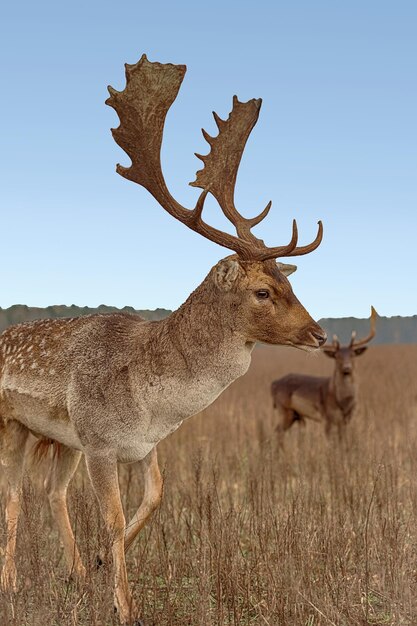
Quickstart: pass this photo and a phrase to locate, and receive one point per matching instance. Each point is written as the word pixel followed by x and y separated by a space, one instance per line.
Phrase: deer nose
pixel 320 335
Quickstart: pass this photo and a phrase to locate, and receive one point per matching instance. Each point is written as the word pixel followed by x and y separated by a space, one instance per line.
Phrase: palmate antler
pixel 142 106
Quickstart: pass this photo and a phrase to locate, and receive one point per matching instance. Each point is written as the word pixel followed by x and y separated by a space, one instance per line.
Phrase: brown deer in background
pixel 332 400
pixel 112 386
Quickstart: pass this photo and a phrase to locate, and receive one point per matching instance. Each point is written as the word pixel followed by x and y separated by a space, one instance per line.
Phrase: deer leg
pixel 335 429
pixel 286 420
pixel 341 432
pixel 151 499
pixel 62 469
pixel 13 439
pixel 104 479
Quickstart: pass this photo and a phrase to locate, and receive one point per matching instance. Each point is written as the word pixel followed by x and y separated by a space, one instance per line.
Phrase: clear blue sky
pixel 336 140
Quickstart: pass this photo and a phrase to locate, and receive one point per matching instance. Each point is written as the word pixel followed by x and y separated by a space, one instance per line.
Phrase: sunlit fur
pixel 112 386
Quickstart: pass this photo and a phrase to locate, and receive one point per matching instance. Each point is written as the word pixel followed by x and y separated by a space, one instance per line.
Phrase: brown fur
pixel 297 397
pixel 112 387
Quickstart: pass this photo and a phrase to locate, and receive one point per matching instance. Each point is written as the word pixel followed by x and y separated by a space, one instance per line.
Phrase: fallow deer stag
pixel 332 400
pixel 112 386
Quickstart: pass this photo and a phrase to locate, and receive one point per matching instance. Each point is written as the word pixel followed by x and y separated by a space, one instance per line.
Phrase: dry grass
pixel 319 534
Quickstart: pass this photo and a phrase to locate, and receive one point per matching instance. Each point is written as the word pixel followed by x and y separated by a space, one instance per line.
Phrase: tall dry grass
pixel 314 535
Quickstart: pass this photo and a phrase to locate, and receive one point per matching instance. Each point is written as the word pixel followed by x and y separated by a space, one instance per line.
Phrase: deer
pixel 111 387
pixel 332 400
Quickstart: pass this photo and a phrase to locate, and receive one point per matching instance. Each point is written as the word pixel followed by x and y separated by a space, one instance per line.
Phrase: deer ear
pixel 359 351
pixel 286 268
pixel 226 273
pixel 329 352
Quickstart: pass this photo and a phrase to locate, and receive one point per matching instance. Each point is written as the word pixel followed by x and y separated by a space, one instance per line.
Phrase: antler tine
pixel 274 253
pixel 372 332
pixel 142 106
pixel 258 218
pixel 222 163
pixel 220 172
pixel 352 339
pixel 334 346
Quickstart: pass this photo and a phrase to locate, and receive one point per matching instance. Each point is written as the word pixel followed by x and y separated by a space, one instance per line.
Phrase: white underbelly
pixel 58 431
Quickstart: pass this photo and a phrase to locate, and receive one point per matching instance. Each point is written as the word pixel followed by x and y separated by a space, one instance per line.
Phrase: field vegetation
pixel 316 534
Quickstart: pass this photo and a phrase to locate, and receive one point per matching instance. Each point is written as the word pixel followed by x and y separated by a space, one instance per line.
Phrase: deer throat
pixel 345 392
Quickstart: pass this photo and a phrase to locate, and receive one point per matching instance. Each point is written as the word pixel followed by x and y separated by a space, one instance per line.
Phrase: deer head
pixel 345 355
pixel 253 284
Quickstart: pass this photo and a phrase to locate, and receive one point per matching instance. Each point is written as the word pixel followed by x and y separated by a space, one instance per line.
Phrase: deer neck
pixel 204 335
pixel 344 390
pixel 181 365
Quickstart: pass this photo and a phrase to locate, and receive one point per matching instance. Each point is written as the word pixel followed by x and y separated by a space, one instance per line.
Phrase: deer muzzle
pixel 312 337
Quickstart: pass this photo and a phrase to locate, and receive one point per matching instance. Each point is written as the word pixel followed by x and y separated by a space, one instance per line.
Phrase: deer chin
pixel 306 347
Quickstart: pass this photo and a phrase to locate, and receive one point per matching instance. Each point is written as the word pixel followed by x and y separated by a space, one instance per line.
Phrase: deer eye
pixel 262 294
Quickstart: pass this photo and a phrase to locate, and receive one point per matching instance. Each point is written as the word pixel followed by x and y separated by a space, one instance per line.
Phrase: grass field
pixel 316 534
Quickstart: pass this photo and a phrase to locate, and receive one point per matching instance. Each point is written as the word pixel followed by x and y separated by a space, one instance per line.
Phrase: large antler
pixel 142 106
pixel 361 342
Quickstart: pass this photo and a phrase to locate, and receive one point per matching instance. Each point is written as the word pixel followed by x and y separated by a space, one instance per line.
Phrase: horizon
pixel 160 308
pixel 335 141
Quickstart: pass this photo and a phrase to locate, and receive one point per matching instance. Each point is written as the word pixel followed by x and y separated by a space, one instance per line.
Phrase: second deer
pixel 331 400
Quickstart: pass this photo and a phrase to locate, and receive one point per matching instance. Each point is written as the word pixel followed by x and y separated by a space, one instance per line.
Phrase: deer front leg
pixel 13 438
pixel 151 498
pixel 104 479
pixel 62 469
pixel 285 421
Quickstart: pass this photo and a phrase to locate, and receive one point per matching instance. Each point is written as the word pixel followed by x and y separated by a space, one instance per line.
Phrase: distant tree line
pixel 22 313
pixel 389 329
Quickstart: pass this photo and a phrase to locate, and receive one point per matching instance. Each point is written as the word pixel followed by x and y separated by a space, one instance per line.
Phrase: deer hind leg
pixel 64 463
pixel 104 479
pixel 151 498
pixel 13 438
